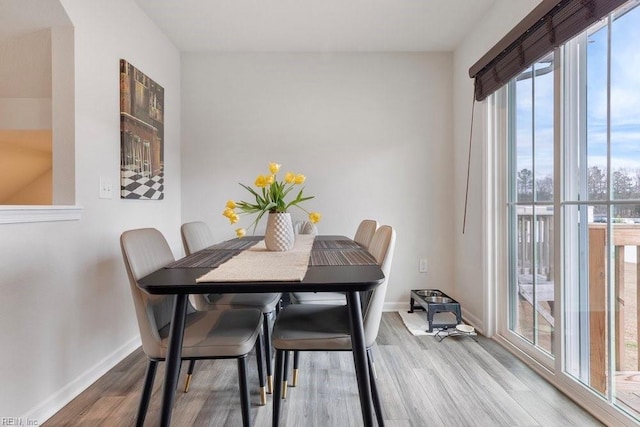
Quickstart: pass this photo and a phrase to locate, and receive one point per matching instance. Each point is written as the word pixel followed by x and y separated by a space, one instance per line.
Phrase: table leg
pixel 174 357
pixel 360 357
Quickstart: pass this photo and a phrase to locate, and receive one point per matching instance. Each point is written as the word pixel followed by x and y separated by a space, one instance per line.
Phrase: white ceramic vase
pixel 278 235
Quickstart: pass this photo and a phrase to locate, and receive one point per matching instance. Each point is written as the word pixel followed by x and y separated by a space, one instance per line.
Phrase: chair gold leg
pixel 296 363
pixel 284 389
pixel 372 363
pixel 186 383
pixel 269 384
pixel 374 370
pixel 263 396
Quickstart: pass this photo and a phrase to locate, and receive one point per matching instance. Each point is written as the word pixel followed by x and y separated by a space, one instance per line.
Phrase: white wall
pixel 67 314
pixel 371 131
pixel 469 247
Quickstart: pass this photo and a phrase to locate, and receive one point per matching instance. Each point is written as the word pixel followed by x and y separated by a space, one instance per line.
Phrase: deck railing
pixel 540 232
pixel 622 235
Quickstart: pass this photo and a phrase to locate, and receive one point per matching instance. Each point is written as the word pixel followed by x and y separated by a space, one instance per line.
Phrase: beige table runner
pixel 257 264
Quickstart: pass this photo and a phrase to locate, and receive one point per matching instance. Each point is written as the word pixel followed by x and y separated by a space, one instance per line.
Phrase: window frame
pixel 496 267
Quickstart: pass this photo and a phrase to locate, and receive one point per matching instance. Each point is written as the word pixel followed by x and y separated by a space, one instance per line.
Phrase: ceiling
pixel 20 17
pixel 315 25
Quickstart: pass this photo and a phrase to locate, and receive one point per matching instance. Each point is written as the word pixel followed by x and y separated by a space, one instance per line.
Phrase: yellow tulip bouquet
pixel 269 198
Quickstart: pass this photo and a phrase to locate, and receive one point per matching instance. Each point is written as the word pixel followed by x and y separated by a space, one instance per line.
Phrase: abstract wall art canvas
pixel 141 135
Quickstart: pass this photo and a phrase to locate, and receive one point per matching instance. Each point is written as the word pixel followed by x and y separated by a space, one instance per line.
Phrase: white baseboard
pixel 66 394
pixel 395 306
pixel 473 320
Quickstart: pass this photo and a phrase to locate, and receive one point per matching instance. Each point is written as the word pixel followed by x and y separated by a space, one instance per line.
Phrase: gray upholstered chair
pixel 312 327
pixel 366 229
pixel 364 233
pixel 197 236
pixel 220 334
pixel 305 227
pixel 363 237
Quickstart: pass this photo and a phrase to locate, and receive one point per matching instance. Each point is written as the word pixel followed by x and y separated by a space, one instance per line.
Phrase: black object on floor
pixel 434 301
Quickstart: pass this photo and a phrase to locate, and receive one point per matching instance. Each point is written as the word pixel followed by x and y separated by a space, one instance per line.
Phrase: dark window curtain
pixel 549 25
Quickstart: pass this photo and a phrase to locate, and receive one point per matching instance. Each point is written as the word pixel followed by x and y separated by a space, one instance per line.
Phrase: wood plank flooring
pixel 423 382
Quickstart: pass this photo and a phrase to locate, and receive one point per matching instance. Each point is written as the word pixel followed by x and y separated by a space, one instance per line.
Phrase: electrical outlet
pixel 106 189
pixel 423 265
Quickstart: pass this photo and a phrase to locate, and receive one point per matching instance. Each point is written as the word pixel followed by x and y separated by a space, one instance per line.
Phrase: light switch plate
pixel 106 189
pixel 423 265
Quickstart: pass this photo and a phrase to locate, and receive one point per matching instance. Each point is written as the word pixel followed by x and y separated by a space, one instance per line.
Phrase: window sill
pixel 18 214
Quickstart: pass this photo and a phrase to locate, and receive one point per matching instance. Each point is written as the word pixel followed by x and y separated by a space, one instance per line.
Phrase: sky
pixel 625 94
pixel 625 103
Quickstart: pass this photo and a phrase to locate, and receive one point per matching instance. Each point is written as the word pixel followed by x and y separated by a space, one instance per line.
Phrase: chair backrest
pixel 144 251
pixel 196 236
pixel 365 232
pixel 382 247
pixel 305 227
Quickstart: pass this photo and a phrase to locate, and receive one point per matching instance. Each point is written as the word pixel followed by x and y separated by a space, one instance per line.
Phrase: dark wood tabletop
pixel 317 279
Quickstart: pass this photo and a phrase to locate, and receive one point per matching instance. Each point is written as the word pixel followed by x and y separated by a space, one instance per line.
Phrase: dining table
pixel 336 264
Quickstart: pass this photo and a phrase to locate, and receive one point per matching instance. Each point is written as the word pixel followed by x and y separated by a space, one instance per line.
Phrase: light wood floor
pixel 423 382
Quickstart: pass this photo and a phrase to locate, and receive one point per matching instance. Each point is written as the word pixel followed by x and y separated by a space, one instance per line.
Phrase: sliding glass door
pixel 601 208
pixel 530 205
pixel 573 210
